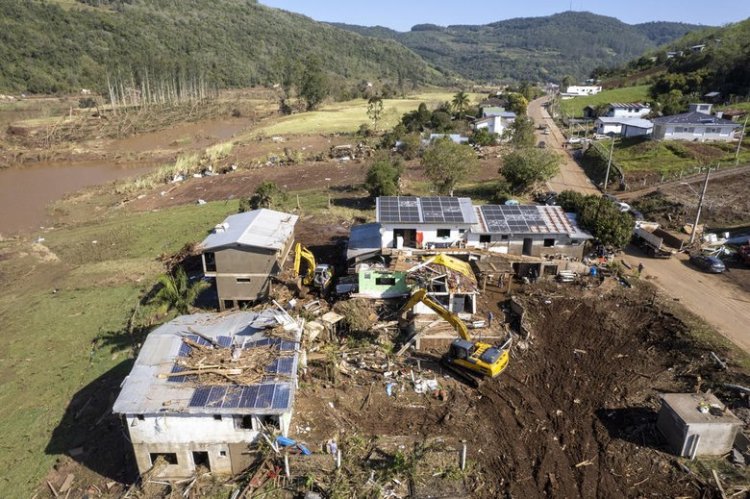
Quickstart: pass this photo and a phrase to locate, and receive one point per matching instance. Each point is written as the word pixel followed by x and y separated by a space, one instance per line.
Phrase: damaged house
pixel 245 251
pixel 204 387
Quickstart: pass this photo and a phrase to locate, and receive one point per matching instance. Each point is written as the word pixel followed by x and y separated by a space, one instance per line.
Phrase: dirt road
pixel 571 176
pixel 718 299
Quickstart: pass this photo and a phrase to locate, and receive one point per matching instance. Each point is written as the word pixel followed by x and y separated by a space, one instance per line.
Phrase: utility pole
pixel 700 205
pixel 609 164
pixel 739 144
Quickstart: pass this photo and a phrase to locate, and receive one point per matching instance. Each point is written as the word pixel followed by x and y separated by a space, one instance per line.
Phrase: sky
pixel 403 14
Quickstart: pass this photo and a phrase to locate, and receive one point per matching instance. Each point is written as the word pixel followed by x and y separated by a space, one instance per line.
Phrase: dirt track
pixel 558 422
pixel 571 176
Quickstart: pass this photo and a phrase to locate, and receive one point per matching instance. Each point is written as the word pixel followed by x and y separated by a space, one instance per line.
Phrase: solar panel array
pixel 513 219
pixel 265 396
pixel 441 209
pixel 399 209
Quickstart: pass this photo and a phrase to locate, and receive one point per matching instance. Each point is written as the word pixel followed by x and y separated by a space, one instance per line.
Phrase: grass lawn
pixel 574 107
pixel 346 117
pixel 668 157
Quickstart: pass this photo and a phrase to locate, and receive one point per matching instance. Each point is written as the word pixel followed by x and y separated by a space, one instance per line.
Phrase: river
pixel 26 192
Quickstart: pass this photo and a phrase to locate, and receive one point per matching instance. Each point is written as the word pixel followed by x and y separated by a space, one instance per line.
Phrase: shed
pixel 697 424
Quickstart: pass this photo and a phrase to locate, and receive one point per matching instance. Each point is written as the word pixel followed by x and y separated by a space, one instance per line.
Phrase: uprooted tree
pixel 176 293
pixel 446 164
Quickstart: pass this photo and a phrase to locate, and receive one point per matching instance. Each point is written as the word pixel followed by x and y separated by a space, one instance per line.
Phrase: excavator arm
pixel 421 296
pixel 302 253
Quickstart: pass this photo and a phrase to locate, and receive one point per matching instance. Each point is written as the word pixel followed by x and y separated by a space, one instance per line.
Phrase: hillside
pixel 539 48
pixel 60 46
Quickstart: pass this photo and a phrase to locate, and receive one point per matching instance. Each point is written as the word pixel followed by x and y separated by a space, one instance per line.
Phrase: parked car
pixel 709 264
pixel 620 205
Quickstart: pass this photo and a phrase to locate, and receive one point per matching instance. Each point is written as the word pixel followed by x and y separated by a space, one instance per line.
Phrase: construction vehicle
pixel 479 359
pixel 318 276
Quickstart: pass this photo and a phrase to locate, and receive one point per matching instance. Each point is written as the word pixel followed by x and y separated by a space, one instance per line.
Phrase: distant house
pixel 493 124
pixel 578 90
pixel 712 96
pixel 526 230
pixel 454 137
pixel 492 111
pixel 628 110
pixel 696 125
pixel 617 126
pixel 244 251
pixel 207 421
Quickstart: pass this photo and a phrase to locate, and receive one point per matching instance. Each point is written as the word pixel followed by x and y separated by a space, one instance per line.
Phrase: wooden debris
pixel 52 488
pixel 587 462
pixel 65 487
pixel 718 484
pixel 720 362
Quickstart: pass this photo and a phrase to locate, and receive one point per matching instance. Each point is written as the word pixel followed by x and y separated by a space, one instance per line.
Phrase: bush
pixel 526 167
pixel 410 146
pixel 383 176
pixel 483 137
pixel 266 195
pixel 447 163
pixel 602 218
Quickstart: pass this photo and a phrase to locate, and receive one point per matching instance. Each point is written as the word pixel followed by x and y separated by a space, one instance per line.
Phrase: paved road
pixel 715 298
pixel 571 176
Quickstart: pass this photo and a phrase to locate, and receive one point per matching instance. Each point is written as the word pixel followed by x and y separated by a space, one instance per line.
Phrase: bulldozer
pixel 317 276
pixel 476 358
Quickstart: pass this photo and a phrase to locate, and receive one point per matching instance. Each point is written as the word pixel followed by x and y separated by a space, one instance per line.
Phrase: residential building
pixel 493 124
pixel 696 125
pixel 454 137
pixel 578 90
pixel 628 110
pixel 413 222
pixel 526 230
pixel 209 421
pixel 492 111
pixel 245 251
pixel 620 126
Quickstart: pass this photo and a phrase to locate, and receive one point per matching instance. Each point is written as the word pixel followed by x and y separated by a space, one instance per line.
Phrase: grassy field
pixel 346 117
pixel 671 157
pixel 574 107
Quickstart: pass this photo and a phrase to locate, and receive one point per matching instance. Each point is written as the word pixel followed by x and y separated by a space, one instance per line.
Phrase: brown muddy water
pixel 26 192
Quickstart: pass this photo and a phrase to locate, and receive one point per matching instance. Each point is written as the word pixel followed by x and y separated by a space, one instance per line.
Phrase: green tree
pixel 375 111
pixel 266 195
pixel 410 146
pixel 521 132
pixel 517 103
pixel 314 87
pixel 524 168
pixel 383 176
pixel 460 102
pixel 447 163
pixel 602 218
pixel 672 103
pixel 176 293
pixel 566 82
pixel 441 121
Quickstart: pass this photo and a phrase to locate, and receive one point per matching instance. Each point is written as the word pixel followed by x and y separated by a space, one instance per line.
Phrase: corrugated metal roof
pixel 629 105
pixel 258 228
pixel 364 239
pixel 144 392
pixel 637 122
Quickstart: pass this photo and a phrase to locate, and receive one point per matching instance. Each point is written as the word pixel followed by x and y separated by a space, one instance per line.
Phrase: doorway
pixel 527 244
pixel 200 459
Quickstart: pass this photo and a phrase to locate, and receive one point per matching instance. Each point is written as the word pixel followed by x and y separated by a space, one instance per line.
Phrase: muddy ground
pixel 573 416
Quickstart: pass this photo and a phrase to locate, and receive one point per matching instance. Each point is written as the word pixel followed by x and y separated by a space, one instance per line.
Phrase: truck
pixel 650 237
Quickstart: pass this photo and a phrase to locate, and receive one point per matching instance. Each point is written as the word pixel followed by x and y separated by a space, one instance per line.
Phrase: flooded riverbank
pixel 26 192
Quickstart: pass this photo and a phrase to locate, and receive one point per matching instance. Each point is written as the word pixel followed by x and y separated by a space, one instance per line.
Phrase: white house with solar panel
pixel 204 420
pixel 449 222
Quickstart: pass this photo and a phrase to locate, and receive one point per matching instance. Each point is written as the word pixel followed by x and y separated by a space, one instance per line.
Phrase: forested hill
pixel 538 48
pixel 49 46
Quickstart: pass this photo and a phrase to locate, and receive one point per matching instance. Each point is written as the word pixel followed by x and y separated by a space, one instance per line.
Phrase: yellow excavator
pixel 475 357
pixel 319 276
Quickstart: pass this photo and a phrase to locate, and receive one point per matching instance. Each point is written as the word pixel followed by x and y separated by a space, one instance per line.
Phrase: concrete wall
pixel 493 124
pixel 242 273
pixel 368 285
pixel 223 439
pixel 699 132
pixel 429 233
pixel 607 128
pixel 632 131
pixel 584 89
pixel 563 245
pixel 705 439
pixel 628 113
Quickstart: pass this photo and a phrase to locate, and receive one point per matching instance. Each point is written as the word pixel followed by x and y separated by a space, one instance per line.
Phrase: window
pixel 222 453
pixel 385 281
pixel 443 233
pixel 243 422
pixel 269 421
pixel 169 457
pixel 548 243
pixel 217 417
pixel 243 280
pixel 504 237
pixel 141 417
pixel 461 231
pixel 485 238
pixel 210 261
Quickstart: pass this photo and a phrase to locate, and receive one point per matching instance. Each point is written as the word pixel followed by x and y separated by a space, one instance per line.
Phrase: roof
pixel 693 118
pixel 636 122
pixel 631 105
pixel 525 219
pixel 364 239
pixel 454 137
pixel 712 94
pixel 258 228
pixel 427 210
pixel 686 406
pixel 144 391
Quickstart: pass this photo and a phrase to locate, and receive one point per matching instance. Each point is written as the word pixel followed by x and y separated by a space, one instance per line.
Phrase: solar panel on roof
pixel 200 397
pixel 177 379
pixel 265 396
pixel 216 396
pixel 232 397
pixel 281 397
pixel 224 341
pixel 249 396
